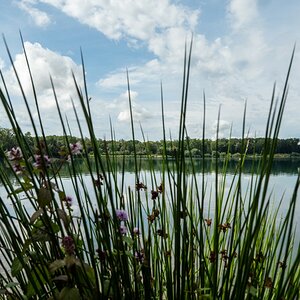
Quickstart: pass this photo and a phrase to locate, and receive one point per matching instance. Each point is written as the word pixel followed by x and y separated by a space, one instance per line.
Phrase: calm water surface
pixel 282 182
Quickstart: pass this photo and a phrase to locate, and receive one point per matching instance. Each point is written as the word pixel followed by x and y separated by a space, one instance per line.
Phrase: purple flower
pixel 101 254
pixel 68 244
pixel 121 215
pixel 123 229
pixel 14 154
pixel 136 231
pixel 68 200
pixel 139 256
pixel 41 161
pixel 18 169
pixel 154 195
pixel 76 148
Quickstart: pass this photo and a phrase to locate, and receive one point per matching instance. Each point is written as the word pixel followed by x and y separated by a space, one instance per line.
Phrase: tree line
pixel 193 146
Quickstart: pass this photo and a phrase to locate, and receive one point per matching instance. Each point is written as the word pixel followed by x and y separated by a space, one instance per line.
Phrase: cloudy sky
pixel 241 47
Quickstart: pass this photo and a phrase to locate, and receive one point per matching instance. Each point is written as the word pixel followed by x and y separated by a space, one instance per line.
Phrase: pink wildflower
pixel 136 231
pixel 18 169
pixel 69 245
pixel 121 215
pixel 41 161
pixel 76 148
pixel 123 229
pixel 14 154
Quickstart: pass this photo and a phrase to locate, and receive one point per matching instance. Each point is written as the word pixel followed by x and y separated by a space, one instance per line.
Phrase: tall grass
pixel 153 240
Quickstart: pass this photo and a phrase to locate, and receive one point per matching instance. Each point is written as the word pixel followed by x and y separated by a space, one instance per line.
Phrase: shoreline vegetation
pixel 168 237
pixel 285 148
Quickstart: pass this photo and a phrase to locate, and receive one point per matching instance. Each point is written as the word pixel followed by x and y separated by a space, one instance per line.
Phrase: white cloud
pixel 139 113
pixel 2 64
pixel 242 13
pixel 242 64
pixel 150 71
pixel 43 63
pixel 39 17
pixel 127 18
pixel 222 126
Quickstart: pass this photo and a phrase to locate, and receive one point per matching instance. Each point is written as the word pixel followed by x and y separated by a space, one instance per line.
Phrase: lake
pixel 282 181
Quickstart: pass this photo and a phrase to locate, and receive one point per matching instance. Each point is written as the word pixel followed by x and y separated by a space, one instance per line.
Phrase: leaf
pixel 69 294
pixel 61 278
pixel 35 215
pixel 11 285
pixel 63 216
pixel 90 273
pixel 128 240
pixel 71 261
pixel 16 267
pixel 107 288
pixel 40 236
pixel 129 253
pixel 253 290
pixel 26 245
pixel 55 227
pixel 38 224
pixel 56 265
pixel 44 197
pixel 79 242
pixel 62 195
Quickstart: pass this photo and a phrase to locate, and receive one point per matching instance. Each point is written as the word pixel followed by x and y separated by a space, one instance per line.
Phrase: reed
pixel 153 240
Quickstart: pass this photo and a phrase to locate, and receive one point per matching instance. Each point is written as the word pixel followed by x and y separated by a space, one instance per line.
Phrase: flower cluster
pixel 282 264
pixel 101 254
pixel 123 229
pixel 14 154
pixel 224 257
pixel 136 231
pixel 98 181
pixel 122 216
pixel 68 201
pixel 154 194
pixel 76 148
pixel 212 256
pixel 208 222
pixel 18 169
pixel 224 227
pixel 140 186
pixel 41 161
pixel 268 283
pixel 69 245
pixel 259 257
pixel 155 213
pixel 139 256
pixel 162 233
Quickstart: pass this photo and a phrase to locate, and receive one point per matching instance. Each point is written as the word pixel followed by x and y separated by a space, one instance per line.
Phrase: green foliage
pixel 56 144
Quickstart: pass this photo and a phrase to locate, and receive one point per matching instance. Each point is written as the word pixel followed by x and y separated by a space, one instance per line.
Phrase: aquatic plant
pixel 154 240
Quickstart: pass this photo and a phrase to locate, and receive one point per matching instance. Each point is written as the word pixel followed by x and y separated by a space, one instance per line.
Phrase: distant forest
pixel 194 147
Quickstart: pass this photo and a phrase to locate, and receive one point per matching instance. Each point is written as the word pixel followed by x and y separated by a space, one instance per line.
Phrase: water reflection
pixel 282 180
pixel 288 167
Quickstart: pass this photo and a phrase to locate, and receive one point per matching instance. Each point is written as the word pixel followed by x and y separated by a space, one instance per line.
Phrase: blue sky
pixel 241 47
